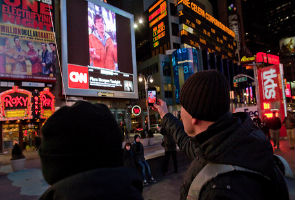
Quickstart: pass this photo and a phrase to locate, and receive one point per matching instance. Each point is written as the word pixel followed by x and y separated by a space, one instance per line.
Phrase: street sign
pixel 241 79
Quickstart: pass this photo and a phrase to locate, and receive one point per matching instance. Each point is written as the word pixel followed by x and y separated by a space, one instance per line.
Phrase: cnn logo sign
pixel 78 77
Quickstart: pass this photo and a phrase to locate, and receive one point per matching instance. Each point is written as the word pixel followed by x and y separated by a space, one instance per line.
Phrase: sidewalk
pixel 29 184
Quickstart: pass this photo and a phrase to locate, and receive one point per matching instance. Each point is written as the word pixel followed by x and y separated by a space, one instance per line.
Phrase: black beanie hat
pixel 205 95
pixel 79 138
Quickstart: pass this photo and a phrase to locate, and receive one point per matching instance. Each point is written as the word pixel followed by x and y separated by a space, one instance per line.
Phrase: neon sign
pixel 47 101
pixel 248 59
pixel 156 21
pixel 136 110
pixel 267 58
pixel 15 104
pixel 36 104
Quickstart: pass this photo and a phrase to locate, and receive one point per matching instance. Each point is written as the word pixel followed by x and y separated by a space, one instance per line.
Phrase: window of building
pixel 175 29
pixel 176 46
pixel 173 9
pixel 166 69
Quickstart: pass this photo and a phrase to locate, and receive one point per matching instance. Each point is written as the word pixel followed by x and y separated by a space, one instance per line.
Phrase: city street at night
pixel 147 99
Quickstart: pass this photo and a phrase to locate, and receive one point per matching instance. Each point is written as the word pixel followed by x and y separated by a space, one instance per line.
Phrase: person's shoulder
pixel 235 184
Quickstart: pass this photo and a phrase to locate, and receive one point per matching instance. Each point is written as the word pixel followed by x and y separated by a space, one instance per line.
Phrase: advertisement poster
pixel 287 46
pixel 27 43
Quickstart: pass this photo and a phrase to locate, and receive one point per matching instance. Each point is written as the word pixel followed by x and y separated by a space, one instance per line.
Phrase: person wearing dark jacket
pixel 128 156
pixel 274 129
pixel 138 150
pixel 211 134
pixel 170 151
pixel 81 156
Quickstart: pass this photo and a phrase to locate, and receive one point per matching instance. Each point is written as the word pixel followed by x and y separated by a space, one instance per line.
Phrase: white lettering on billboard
pixel 269 84
pixel 78 77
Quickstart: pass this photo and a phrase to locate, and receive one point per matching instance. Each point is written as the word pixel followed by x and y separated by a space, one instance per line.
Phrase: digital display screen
pixel 152 96
pixel 27 41
pixel 101 51
pixel 158 23
pixel 199 29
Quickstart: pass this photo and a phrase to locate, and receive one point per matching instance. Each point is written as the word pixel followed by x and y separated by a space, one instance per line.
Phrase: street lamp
pixel 146 80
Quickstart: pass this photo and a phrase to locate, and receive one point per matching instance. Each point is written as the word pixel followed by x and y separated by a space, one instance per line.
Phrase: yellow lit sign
pixel 248 59
pixel 207 16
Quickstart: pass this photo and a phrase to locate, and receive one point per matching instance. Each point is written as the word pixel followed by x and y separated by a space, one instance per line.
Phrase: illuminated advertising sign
pixel 99 44
pixel 15 104
pixel 270 82
pixel 267 58
pixel 287 46
pixel 184 63
pixel 136 110
pixel 288 90
pixel 199 29
pixel 158 22
pixel 248 59
pixel 22 104
pixel 27 42
pixel 47 102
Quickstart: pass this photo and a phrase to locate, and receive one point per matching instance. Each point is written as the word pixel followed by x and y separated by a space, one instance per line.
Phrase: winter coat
pixel 103 184
pixel 233 139
pixel 138 151
pixel 168 141
pixel 275 123
pixel 128 159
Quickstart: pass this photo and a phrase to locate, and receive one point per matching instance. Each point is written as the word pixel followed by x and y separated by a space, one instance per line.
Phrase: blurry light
pixel 268 51
pixel 151 80
pixel 140 79
pixel 140 20
pixel 135 26
pixel 246 33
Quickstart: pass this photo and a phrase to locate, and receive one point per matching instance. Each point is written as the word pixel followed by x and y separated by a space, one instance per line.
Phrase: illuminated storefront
pixel 22 114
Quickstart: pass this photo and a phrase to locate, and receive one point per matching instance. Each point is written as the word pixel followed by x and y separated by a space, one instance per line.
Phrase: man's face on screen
pixel 99 25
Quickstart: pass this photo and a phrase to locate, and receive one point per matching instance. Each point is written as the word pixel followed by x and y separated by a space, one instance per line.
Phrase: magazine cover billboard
pixel 27 42
pixel 100 50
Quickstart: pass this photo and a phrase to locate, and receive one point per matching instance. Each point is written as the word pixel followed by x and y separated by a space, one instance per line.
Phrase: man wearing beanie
pixel 81 156
pixel 216 139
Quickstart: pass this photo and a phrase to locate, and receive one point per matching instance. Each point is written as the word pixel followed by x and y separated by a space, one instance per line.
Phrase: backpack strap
pixel 210 171
pixel 287 170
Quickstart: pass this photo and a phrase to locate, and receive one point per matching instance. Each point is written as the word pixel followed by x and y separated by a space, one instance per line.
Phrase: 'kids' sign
pixel 15 104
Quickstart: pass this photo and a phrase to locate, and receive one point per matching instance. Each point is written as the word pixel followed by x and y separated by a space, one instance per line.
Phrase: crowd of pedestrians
pixel 272 128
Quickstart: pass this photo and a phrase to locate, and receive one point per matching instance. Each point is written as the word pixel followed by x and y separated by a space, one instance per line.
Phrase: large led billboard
pixel 158 23
pixel 27 41
pixel 98 50
pixel 199 29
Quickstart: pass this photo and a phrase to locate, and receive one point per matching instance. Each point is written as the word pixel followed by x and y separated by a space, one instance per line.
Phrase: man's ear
pixel 195 121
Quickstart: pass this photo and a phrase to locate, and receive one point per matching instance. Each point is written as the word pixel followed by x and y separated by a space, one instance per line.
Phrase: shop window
pixel 10 134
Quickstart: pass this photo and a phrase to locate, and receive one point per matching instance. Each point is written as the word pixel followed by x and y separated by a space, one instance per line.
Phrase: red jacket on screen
pixel 107 54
